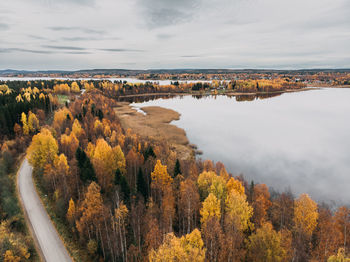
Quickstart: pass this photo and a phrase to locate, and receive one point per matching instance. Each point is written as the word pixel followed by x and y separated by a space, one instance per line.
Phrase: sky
pixel 155 34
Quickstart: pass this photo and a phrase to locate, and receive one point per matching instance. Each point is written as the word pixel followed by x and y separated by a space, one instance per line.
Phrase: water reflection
pixel 297 140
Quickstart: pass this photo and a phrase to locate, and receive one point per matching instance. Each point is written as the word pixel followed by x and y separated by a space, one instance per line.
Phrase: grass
pixel 10 204
pixel 62 99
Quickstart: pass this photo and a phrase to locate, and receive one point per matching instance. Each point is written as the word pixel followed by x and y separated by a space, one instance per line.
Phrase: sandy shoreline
pixel 156 126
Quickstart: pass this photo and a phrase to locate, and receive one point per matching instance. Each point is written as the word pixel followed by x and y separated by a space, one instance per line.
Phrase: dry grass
pixel 155 126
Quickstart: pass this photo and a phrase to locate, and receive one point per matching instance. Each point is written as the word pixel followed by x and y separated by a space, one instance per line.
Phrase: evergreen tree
pixel 141 184
pixel 177 168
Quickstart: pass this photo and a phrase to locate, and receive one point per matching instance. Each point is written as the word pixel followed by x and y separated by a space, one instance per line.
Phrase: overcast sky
pixel 144 34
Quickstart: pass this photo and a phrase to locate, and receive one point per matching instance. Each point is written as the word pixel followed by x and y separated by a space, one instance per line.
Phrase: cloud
pixel 58 47
pixel 165 36
pixel 4 26
pixel 160 13
pixel 76 28
pixel 191 56
pixel 120 50
pixel 36 37
pixel 10 50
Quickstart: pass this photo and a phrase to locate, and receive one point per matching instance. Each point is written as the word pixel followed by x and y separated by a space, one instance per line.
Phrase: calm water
pixel 299 140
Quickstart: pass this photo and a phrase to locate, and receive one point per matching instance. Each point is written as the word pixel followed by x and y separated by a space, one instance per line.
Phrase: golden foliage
pixel 238 211
pixel 265 245
pixel 188 248
pixel 305 214
pixel 211 208
pixel 43 149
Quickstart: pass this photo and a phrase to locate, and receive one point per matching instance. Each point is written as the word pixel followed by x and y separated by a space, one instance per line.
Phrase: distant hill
pixel 128 72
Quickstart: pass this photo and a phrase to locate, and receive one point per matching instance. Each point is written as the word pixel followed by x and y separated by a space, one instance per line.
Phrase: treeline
pixel 15 100
pixel 124 198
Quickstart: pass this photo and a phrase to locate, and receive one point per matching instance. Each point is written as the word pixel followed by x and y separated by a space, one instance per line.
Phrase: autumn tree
pixel 106 161
pixel 237 220
pixel 25 126
pixel 71 212
pixel 160 179
pixel 265 245
pixel 188 205
pixel 43 149
pixel 305 221
pixel 33 122
pixel 328 238
pixel 342 223
pixel 187 248
pixel 261 203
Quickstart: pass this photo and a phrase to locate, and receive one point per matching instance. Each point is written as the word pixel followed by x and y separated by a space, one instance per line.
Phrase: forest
pixel 120 197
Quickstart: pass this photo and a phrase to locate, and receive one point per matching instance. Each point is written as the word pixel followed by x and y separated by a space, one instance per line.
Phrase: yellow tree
pixel 265 245
pixel 77 129
pixel 24 124
pixel 340 257
pixel 188 248
pixel 106 161
pixel 75 87
pixel 160 179
pixel 211 208
pixel 237 220
pixel 33 122
pixel 236 185
pixel 43 149
pixel 71 212
pixel 305 222
pixel 210 182
pixel 305 214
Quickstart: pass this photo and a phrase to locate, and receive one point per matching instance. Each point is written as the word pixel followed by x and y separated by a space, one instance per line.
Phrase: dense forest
pixel 121 197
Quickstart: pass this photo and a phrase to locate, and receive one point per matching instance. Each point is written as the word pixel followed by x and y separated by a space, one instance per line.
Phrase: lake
pixel 297 140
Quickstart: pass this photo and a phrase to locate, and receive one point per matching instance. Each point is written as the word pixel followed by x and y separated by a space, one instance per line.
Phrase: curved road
pixel 50 244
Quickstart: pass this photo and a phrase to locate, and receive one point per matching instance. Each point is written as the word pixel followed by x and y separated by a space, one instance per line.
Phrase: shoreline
pixel 225 92
pixel 156 126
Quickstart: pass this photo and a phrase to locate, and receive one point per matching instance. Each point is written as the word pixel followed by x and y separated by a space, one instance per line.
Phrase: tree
pixel 25 126
pixel 187 248
pixel 236 185
pixel 160 179
pixel 188 205
pixel 33 122
pixel 261 203
pixel 86 170
pixel 177 168
pixel 340 257
pixel 342 223
pixel 265 245
pixel 92 210
pixel 305 214
pixel 209 182
pixel 106 161
pixel 141 184
pixel 211 208
pixel 238 211
pixel 71 212
pixel 43 149
pixel 305 222
pixel 237 220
